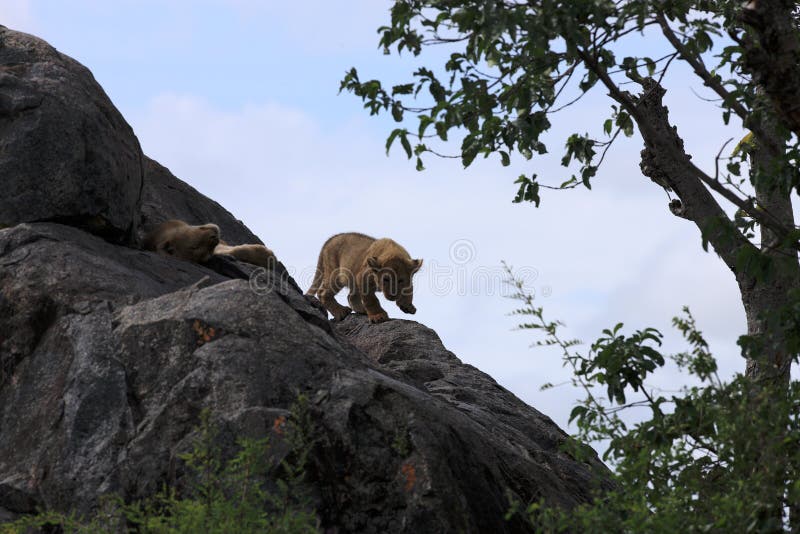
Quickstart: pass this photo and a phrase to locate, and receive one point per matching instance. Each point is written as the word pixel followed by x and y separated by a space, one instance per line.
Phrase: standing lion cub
pixel 198 243
pixel 364 265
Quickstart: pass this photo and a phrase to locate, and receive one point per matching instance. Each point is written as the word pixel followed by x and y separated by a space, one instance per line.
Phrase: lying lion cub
pixel 365 265
pixel 198 243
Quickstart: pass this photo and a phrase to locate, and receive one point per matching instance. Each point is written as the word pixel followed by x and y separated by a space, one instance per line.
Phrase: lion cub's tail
pixel 317 282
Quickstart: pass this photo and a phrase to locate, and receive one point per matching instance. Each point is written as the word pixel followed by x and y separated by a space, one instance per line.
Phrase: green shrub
pixel 717 456
pixel 252 492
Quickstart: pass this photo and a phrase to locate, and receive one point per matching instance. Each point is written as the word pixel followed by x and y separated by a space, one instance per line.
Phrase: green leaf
pixel 403 89
pixel 405 143
pixel 397 112
pixel 391 138
pixel 625 122
pixel 528 190
pixel 577 413
pixel 424 122
pixel 441 130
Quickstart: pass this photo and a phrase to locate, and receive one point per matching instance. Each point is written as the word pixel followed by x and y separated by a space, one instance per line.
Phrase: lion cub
pixel 198 243
pixel 365 265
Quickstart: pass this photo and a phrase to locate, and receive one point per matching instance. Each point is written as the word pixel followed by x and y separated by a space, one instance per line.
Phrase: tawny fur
pixel 255 254
pixel 364 265
pixel 183 241
pixel 198 243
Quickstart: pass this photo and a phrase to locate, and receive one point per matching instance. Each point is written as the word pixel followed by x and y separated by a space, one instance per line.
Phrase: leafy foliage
pixel 232 496
pixel 713 457
pixel 512 65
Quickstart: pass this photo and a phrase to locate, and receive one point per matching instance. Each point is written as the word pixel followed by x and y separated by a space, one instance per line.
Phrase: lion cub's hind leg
pixel 326 295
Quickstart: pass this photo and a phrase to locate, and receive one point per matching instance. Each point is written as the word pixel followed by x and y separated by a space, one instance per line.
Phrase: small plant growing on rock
pixel 252 492
pixel 401 444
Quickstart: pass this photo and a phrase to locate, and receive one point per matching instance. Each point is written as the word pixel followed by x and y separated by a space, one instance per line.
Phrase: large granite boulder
pixel 107 365
pixel 66 153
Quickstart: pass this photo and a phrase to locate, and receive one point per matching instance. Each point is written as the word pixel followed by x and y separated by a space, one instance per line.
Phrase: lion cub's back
pixel 346 251
pixel 386 249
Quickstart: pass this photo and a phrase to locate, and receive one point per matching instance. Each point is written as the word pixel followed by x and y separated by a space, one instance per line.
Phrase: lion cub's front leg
pixel 354 299
pixel 326 296
pixel 375 313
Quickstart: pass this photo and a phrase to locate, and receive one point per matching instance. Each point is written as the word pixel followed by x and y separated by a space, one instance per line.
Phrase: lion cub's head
pixel 184 241
pixel 394 280
pixel 196 243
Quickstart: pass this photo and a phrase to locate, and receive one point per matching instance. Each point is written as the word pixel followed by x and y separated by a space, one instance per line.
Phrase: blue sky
pixel 239 98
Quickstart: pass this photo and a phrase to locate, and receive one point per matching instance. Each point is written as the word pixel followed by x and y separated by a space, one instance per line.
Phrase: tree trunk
pixel 761 302
pixel 768 306
pixel 767 300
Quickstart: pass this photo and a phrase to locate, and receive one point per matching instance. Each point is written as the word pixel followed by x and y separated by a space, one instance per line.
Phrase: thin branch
pixel 664 71
pixel 608 145
pixel 571 102
pixel 626 100
pixel 447 156
pixel 644 64
pixel 745 205
pixel 712 100
pixel 568 73
pixel 615 36
pixel 559 188
pixel 437 40
pixel 713 82
pixel 716 160
pixel 696 62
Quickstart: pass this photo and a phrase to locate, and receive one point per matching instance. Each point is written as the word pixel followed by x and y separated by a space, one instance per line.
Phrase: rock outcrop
pixel 66 153
pixel 108 355
pixel 106 370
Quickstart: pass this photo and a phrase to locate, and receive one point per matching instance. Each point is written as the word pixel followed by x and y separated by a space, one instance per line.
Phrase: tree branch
pixel 696 62
pixel 714 83
pixel 665 161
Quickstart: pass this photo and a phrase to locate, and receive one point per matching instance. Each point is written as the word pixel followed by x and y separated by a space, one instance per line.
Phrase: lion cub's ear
pixel 373 262
pixel 415 265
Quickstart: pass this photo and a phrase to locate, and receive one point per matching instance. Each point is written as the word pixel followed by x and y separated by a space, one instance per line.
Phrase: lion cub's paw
pixel 407 308
pixel 341 314
pixel 378 317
